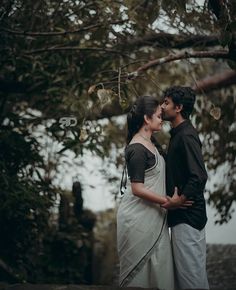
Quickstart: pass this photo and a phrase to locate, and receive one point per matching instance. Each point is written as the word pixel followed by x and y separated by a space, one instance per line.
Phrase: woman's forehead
pixel 158 109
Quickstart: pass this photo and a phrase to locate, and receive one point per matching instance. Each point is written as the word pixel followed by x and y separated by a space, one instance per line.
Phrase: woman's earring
pixel 146 128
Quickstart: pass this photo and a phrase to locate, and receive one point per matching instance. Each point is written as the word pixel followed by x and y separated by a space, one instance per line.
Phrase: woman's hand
pixel 177 201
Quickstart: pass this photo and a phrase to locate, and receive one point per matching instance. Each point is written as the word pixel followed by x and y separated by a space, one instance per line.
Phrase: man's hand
pixel 177 201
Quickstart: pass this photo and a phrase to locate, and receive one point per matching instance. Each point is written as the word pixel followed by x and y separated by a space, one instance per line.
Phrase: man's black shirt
pixel 185 169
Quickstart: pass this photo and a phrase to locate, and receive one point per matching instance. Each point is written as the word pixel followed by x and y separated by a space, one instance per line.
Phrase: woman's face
pixel 155 122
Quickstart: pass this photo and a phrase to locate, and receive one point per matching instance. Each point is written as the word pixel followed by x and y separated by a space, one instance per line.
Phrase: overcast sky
pixel 97 196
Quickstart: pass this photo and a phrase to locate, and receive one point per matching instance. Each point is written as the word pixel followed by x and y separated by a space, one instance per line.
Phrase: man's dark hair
pixel 182 96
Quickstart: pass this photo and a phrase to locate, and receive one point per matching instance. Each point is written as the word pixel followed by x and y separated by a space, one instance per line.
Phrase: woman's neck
pixel 145 134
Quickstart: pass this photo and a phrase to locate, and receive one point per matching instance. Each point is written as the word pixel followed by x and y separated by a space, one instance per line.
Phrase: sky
pixel 89 169
pixel 97 191
pixel 97 195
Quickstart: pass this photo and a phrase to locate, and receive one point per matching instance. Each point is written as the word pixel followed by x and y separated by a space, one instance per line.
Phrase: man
pixel 185 170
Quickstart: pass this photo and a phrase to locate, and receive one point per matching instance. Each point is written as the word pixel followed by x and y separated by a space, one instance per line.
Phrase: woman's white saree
pixel 142 236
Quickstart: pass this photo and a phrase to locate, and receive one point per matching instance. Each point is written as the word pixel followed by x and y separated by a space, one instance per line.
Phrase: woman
pixel 142 233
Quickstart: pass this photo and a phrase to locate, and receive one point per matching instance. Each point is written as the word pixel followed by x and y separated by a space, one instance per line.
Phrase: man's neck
pixel 177 121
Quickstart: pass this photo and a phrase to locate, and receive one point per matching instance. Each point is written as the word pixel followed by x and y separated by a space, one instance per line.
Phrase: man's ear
pixel 179 108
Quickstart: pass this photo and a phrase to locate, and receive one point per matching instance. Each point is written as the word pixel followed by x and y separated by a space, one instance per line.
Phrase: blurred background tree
pixel 90 60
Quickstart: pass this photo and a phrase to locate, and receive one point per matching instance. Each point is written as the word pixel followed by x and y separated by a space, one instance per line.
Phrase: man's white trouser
pixel 189 251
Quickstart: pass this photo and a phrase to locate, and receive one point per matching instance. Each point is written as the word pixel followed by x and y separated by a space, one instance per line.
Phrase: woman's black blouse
pixel 138 159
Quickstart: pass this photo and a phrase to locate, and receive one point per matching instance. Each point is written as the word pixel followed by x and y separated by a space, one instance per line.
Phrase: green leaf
pixel 181 6
pixel 52 90
pixel 232 26
pixel 231 64
pixel 167 4
pixel 225 38
pixel 124 103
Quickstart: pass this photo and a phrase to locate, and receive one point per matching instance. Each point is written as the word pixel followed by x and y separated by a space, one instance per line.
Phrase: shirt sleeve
pixel 136 163
pixel 195 166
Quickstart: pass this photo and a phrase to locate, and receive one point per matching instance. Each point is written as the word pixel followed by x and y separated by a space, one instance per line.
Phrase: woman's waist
pixel 131 202
pixel 155 186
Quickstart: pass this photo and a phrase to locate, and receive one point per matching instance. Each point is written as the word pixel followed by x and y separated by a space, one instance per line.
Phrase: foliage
pixel 66 257
pixel 89 60
pixel 221 154
pixel 106 265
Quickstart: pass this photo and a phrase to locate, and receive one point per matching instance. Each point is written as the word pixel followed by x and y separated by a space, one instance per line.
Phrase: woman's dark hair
pixel 145 105
pixel 182 96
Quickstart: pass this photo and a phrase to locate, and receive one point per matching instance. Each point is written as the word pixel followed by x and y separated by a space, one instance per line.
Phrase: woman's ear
pixel 146 119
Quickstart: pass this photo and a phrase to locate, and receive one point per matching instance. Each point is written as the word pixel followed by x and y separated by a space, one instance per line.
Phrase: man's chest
pixel 175 152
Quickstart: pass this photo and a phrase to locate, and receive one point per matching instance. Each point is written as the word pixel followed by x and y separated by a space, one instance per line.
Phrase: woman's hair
pixel 145 105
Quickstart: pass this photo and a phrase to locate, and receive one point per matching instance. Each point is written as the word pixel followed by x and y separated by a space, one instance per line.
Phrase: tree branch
pixel 162 40
pixel 167 40
pixel 216 7
pixel 216 54
pixel 5 9
pixel 218 81
pixel 215 82
pixel 71 48
pixel 6 268
pixel 59 33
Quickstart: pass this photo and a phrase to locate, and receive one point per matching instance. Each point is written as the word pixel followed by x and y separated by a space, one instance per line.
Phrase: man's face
pixel 169 109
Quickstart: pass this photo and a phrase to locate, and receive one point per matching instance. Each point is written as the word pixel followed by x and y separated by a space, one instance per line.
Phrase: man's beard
pixel 167 118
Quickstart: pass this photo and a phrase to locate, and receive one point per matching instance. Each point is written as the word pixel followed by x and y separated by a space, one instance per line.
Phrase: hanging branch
pixel 224 54
pixel 228 79
pixel 119 81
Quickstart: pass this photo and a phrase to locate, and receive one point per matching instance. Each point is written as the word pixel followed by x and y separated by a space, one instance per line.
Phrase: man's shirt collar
pixel 178 128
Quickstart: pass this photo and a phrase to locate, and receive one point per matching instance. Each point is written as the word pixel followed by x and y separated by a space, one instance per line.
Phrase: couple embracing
pixel 163 191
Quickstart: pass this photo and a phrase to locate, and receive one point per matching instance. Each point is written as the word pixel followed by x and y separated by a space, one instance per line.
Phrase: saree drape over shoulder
pixel 142 236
